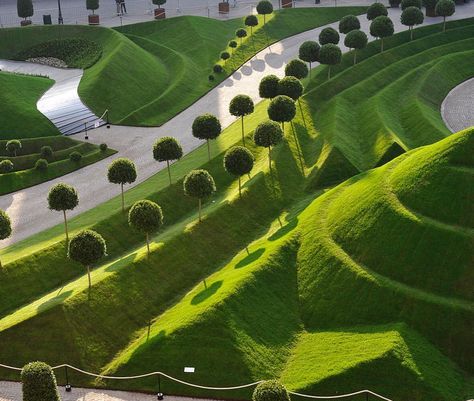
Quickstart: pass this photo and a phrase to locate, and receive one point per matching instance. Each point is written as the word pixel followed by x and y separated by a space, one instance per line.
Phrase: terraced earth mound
pixel 327 289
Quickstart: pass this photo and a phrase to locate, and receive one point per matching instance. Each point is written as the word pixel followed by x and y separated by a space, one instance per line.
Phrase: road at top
pixel 28 208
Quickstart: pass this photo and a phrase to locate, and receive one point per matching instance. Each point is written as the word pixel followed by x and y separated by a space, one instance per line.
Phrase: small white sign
pixel 97 124
pixel 188 369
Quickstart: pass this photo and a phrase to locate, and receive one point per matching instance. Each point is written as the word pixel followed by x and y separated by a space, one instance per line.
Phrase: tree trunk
pixel 411 33
pixel 208 150
pixel 243 136
pixel 264 19
pixel 381 45
pixel 310 70
pixel 270 158
pixel 123 200
pixel 355 56
pixel 240 188
pixel 329 72
pixel 444 24
pixel 169 170
pixel 148 244
pixel 89 276
pixel 200 210
pixel 65 226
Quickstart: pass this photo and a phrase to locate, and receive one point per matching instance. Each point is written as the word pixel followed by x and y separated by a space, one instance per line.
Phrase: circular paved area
pixel 457 108
pixel 11 391
pixel 28 208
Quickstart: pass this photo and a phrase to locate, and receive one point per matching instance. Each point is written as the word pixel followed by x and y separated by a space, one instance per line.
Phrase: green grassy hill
pixel 376 267
pixel 18 98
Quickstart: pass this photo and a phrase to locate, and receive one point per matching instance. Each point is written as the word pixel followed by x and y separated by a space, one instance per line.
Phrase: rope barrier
pixel 158 373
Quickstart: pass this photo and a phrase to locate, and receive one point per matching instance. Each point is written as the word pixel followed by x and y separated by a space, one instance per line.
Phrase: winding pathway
pixel 457 108
pixel 28 208
pixel 61 103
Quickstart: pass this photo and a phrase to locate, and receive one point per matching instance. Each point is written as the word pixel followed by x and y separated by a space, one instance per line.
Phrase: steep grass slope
pixel 19 115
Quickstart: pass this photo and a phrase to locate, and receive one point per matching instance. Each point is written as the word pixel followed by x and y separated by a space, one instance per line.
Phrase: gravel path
pixel 457 108
pixel 28 208
pixel 11 391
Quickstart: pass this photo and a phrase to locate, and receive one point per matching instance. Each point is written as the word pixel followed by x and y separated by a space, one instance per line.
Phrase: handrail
pixel 158 373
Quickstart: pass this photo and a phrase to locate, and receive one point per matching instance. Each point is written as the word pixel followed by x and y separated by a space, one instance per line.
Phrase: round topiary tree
pixel 103 147
pixel 206 127
pixel 445 8
pixel 167 149
pixel 6 166
pixel 381 27
pixel 309 52
pixel 92 5
pixel 328 35
pixel 225 56
pixel 145 216
pixel 24 8
pixel 376 10
pixel 5 227
pixel 238 161
pixel 267 135
pixel 281 109
pixel 410 17
pixel 241 34
pixel 356 40
pixel 330 55
pixel 199 184
pixel 75 157
pixel 411 3
pixel 63 197
pixel 39 382
pixel 296 68
pixel 13 147
pixel 46 152
pixel 233 45
pixel 122 171
pixel 251 21
pixel 217 68
pixel 270 390
pixel 241 106
pixel 159 3
pixel 291 87
pixel 264 8
pixel 348 23
pixel 268 87
pixel 87 247
pixel 41 165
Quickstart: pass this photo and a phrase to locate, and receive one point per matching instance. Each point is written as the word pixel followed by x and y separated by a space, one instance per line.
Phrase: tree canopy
pixel 62 197
pixel 296 68
pixel 199 184
pixel 267 134
pixel 291 87
pixel 206 126
pixel 281 109
pixel 241 105
pixel 268 87
pixel 348 23
pixel 122 171
pixel 167 148
pixel 145 216
pixel 87 247
pixel 270 390
pixel 328 35
pixel 376 10
pixel 309 51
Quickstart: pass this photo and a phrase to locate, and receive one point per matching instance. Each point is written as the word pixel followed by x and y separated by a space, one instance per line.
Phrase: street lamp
pixel 60 14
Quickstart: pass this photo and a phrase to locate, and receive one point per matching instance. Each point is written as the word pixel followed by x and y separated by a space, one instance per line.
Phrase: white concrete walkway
pixel 457 108
pixel 61 103
pixel 28 208
pixel 11 391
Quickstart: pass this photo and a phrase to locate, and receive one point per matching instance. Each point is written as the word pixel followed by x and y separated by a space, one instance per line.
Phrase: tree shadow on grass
pixel 207 293
pixel 252 257
pixel 290 226
pixel 62 296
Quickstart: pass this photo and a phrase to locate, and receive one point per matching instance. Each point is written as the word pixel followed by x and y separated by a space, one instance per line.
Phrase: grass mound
pixel 18 98
pixel 75 52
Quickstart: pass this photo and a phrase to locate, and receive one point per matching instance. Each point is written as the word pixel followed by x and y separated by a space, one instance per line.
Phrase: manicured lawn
pixel 336 280
pixel 18 114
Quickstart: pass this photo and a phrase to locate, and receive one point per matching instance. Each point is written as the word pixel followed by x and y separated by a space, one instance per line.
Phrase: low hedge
pixel 23 179
pixel 76 53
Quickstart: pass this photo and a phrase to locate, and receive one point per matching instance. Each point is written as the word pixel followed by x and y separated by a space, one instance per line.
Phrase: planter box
pixel 286 3
pixel 430 12
pixel 25 22
pixel 160 13
pixel 224 8
pixel 93 19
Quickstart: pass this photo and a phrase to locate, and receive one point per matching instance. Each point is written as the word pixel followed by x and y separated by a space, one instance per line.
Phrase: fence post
pixel 68 386
pixel 159 396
